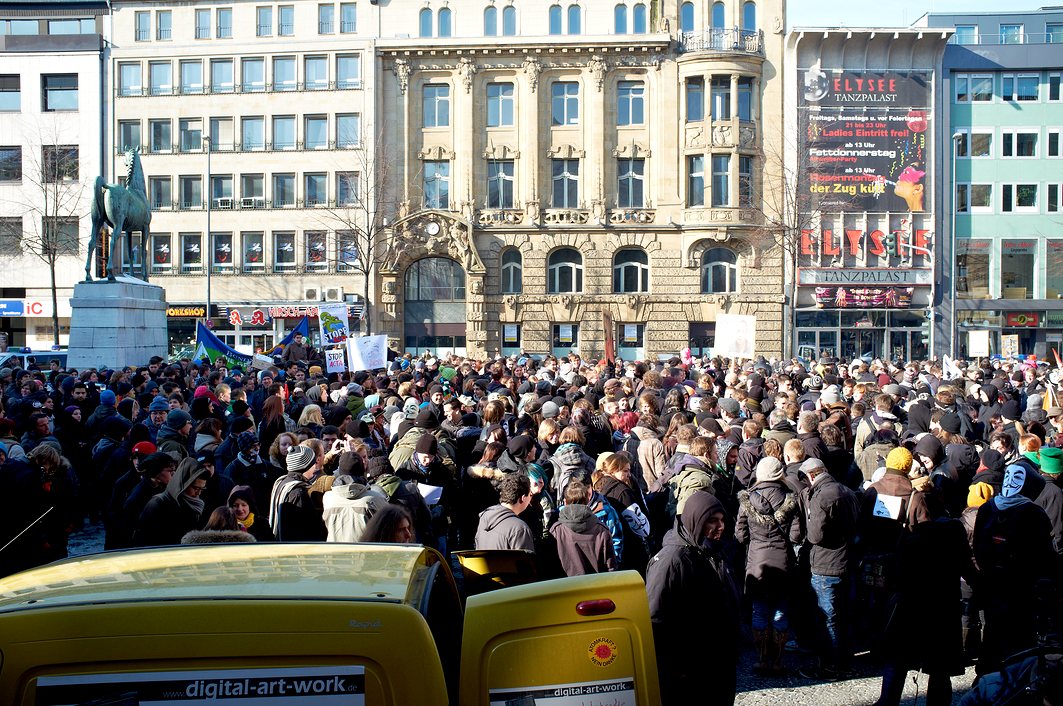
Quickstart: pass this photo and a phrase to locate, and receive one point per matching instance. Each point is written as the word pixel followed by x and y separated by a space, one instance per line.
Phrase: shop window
pixel 565 271
pixel 631 271
pixel 564 338
pixel 719 271
pixel 1017 268
pixel 972 268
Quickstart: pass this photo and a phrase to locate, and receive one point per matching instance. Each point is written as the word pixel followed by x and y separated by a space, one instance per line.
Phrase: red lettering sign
pixel 877 248
pixel 806 242
pixel 853 236
pixel 258 317
pixel 235 319
pixel 828 243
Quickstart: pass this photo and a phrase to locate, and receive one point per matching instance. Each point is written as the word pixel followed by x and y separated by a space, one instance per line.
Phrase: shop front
pixel 996 332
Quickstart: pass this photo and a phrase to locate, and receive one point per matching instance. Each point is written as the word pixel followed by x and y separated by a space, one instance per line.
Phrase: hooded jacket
pixel 500 528
pixel 169 515
pixel 569 461
pixel 583 542
pixel 347 509
pixel 651 455
pixel 217 537
pixel 769 522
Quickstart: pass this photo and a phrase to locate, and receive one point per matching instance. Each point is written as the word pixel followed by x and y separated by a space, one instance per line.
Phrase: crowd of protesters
pixel 829 507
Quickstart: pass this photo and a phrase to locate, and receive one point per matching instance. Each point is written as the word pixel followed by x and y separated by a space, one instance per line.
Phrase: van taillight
pixel 602 606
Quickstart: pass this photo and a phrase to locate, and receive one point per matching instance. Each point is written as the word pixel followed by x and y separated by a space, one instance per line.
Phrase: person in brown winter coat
pixel 584 543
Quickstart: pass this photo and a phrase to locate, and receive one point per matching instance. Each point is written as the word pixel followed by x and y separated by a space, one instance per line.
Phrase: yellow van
pixel 315 625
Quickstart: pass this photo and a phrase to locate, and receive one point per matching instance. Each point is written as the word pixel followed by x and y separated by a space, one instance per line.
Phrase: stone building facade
pixel 601 170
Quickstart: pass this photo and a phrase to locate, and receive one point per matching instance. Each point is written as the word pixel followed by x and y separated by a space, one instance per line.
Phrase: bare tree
pixel 51 203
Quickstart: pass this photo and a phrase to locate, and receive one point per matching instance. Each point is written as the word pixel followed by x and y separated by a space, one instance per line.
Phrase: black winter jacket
pixel 832 512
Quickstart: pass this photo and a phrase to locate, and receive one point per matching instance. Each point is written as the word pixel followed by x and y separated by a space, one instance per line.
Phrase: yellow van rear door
pixel 572 641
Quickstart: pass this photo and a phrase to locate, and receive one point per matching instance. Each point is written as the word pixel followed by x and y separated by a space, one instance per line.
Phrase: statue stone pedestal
pixel 115 324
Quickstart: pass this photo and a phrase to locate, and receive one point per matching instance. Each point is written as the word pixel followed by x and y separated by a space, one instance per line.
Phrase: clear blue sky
pixel 891 13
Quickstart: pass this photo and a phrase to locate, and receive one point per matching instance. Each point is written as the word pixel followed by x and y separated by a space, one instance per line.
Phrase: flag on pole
pixel 302 327
pixel 212 347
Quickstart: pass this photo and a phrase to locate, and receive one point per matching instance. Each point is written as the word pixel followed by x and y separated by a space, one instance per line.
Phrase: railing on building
pixel 745 41
pixel 1006 38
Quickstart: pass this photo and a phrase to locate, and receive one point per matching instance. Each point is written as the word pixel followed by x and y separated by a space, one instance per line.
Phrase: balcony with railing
pixel 1007 38
pixel 714 39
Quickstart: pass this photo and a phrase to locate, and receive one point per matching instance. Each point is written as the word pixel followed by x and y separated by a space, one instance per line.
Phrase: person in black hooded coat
pixel 694 607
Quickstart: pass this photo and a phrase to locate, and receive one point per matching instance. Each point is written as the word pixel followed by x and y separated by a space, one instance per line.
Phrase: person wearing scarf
pixel 177 510
pixel 242 503
pixel 694 607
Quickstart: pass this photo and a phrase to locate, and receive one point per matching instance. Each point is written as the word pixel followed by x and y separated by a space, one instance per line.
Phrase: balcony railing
pixel 723 40
pixel 343 84
pixel 1006 38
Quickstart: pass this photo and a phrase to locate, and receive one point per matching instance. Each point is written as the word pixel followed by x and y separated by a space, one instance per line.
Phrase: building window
pixel 512 271
pixel 159 136
pixel 284 132
pixel 349 71
pixel 159 189
pixel 1017 268
pixel 686 17
pixel 745 98
pixel 221 76
pixel 315 132
pixel 974 144
pixel 163 25
pixel 160 73
pixel 718 19
pixel 59 92
pixel 564 103
pixel 191 252
pixel 444 22
pixel 509 21
pixel 745 181
pixel 1011 34
pixel 252 190
pixel 284 252
pixel 253 75
pixel 224 23
pixel 974 88
pixel 719 271
pixel 315 190
pixel 129 79
pixel 1017 198
pixel 1015 143
pixel 202 24
pixel 965 34
pixel 11 235
pixel 695 97
pixel 639 20
pixel 221 190
pixel 346 188
pixel 348 18
pixel 316 251
pixel 631 272
pixel 60 163
pixel 499 105
pixel 347 251
pixel 695 180
pixel 630 103
pixel 326 19
pixel 749 16
pixel 222 251
pixel 1052 205
pixel 222 136
pixel 252 133
pixel 191 191
pixel 565 271
pixel 264 21
pixel 630 176
pixel 161 254
pixel 1020 87
pixel 142 20
pixel 436 110
pixel 424 22
pixel 284 73
pixel 974 198
pixel 128 135
pixel 555 19
pixel 348 130
pixel 1054 33
pixel 283 190
pixel 575 17
pixel 565 175
pixel 620 19
pixel 720 98
pixel 10 93
pixel 253 252
pixel 500 183
pixel 10 164
pixel 62 234
pixel 191 134
pixel 1053 142
pixel 510 338
pixel 191 76
pixel 437 184
pixel 315 73
pixel 286 20
pixel 721 180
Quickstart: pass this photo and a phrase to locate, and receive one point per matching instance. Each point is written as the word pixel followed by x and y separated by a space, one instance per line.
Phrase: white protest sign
pixel 335 327
pixel 367 352
pixel 336 360
pixel 735 335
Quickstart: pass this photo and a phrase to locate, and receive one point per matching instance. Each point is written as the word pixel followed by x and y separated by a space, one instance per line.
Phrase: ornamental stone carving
pixel 402 72
pixel 427 235
pixel 466 70
pixel 695 136
pixel 721 136
pixel 532 68
pixel 746 135
pixel 598 68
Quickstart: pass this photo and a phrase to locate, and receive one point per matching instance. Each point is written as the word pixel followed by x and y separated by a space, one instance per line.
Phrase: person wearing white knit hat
pixel 292 514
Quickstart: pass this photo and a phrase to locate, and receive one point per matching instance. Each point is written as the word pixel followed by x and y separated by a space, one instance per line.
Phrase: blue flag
pixel 302 327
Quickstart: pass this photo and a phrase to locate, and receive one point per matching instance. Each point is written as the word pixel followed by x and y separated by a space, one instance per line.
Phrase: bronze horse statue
pixel 124 209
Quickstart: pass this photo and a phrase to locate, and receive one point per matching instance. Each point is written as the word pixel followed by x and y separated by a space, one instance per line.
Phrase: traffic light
pixel 891 243
pixel 924 329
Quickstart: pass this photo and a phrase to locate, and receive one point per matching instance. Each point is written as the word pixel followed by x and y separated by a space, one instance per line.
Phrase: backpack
pixel 684 484
pixel 631 446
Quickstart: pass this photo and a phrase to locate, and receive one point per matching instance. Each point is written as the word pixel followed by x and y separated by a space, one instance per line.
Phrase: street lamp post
pixel 953 145
pixel 210 245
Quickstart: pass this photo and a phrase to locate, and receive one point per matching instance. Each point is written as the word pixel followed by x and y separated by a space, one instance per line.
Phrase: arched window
pixel 444 22
pixel 424 22
pixel 490 21
pixel 574 17
pixel 631 271
pixel 435 279
pixel 620 19
pixel 686 17
pixel 509 21
pixel 555 19
pixel 717 15
pixel 638 19
pixel 719 271
pixel 564 271
pixel 749 16
pixel 512 271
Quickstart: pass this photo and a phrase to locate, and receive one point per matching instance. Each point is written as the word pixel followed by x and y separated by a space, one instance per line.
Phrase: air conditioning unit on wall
pixel 333 294
pixel 312 294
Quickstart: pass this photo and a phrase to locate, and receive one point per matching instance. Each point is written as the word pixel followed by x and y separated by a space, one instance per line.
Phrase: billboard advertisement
pixel 863 140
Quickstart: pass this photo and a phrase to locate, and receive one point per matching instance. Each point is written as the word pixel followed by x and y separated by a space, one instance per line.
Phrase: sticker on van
pixel 313 686
pixel 612 692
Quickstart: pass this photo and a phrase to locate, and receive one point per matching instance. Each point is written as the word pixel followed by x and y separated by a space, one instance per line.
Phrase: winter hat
pixel 729 405
pixel 950 423
pixel 698 508
pixel 992 461
pixel 159 404
pixel 812 464
pixel 300 459
pixel 434 389
pixel 378 466
pixel 1051 460
pixel 246 440
pixel 899 459
pixel 520 445
pixel 122 389
pixel 550 410
pixel 979 494
pixel 426 419
pixel 769 469
pixel 201 391
pixel 144 448
pixel 107 398
pixel 350 464
pixel 829 396
pixel 427 444
pixel 239 408
pixel 1010 410
pixel 177 418
pixel 125 408
pixel 245 493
